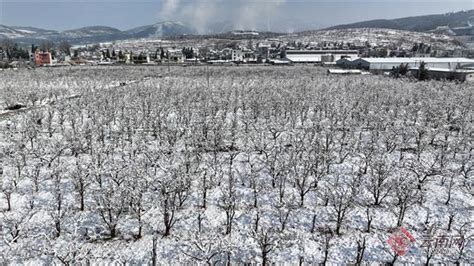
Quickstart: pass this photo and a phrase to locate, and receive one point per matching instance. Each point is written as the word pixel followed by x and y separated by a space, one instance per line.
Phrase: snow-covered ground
pixel 240 164
pixel 396 39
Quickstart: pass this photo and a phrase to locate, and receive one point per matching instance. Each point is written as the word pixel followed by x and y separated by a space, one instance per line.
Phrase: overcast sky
pixel 242 14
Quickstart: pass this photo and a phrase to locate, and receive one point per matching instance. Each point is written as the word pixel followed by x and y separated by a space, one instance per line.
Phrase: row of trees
pixel 403 69
pixel 11 50
pixel 226 165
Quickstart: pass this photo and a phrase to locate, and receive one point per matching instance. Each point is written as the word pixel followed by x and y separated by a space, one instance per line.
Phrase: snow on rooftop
pixel 322 51
pixel 344 71
pixel 303 58
pixel 416 59
pixel 439 69
pixel 350 59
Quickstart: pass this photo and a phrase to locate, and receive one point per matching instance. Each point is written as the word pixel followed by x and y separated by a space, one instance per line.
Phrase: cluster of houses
pixel 271 51
pixel 263 54
pixel 349 58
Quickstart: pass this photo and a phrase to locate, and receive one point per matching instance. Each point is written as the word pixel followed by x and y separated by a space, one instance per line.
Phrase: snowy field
pixel 138 165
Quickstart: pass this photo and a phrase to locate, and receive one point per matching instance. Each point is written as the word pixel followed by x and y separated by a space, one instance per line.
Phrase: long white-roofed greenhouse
pixel 382 64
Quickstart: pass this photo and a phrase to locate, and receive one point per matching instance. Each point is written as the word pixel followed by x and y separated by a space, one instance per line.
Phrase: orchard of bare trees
pixel 232 165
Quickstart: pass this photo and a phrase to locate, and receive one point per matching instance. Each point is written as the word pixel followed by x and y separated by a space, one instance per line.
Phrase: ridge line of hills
pixel 458 23
pixel 453 24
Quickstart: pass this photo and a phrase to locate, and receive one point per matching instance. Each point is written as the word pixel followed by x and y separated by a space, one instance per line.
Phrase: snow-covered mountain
pixel 14 32
pixel 95 33
pixel 276 25
pixel 162 29
pixel 459 22
pixel 90 32
pixel 33 30
pixel 9 32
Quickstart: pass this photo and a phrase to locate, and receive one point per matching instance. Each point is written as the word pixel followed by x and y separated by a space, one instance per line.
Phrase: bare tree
pixel 169 205
pixel 283 213
pixel 423 171
pixel 81 181
pixel 267 240
pixel 378 180
pixel 341 194
pixel 307 172
pixel 46 45
pixel 110 207
pixel 405 197
pixel 65 47
pixel 325 237
pixel 15 225
pixel 430 247
pixel 202 249
pixel 137 189
pixel 59 211
pixel 228 204
pixel 7 191
pixel 451 184
pixel 361 246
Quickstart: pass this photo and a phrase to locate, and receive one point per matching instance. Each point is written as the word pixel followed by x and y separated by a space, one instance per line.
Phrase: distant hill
pixel 372 36
pixel 160 30
pixel 453 24
pixel 10 32
pixel 90 32
pixel 460 23
pixel 33 30
pixel 94 33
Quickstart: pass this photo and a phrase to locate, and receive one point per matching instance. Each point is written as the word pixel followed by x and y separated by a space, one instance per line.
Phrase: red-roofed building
pixel 43 58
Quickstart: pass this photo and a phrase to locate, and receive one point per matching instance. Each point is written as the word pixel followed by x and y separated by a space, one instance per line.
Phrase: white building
pixel 243 56
pixel 387 64
pixel 238 56
pixel 319 56
pixel 175 55
pixel 463 75
pixel 346 72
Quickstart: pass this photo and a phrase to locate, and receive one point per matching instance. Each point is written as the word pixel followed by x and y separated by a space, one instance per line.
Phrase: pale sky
pixel 241 14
